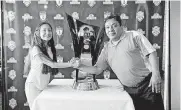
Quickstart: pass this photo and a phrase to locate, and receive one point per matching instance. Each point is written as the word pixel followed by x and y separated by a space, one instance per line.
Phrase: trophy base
pixel 86 85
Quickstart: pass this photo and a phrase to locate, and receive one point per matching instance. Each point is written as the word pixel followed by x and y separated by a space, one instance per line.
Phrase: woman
pixel 43 62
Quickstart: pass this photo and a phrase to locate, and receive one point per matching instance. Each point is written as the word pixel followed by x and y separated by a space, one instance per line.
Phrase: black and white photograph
pixel 90 55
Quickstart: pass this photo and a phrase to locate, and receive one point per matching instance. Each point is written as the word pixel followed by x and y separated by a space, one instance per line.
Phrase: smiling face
pixel 113 29
pixel 45 32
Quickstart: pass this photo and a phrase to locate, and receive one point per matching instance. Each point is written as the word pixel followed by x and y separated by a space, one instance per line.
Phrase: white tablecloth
pixel 59 95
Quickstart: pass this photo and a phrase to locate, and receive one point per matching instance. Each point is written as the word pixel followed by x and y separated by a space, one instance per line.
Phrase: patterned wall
pixel 21 17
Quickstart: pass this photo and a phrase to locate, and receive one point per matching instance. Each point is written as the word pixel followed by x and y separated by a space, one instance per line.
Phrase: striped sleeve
pixel 102 59
pixel 143 44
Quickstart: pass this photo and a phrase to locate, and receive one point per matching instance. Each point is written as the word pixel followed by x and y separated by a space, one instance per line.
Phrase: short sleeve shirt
pixel 126 58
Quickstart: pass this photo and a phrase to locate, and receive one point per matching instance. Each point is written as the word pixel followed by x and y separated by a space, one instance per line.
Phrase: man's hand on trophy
pixel 75 62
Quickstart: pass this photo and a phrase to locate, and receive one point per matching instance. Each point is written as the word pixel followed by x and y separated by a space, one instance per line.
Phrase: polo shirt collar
pixel 115 43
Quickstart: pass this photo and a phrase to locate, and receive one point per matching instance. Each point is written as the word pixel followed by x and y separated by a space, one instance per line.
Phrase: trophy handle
pixel 77 75
pixel 94 77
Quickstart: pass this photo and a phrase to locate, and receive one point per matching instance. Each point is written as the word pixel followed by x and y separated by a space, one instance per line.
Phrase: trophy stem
pixel 57 39
pixel 94 77
pixel 77 75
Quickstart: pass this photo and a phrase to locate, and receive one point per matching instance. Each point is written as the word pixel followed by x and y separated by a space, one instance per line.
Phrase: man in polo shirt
pixel 125 53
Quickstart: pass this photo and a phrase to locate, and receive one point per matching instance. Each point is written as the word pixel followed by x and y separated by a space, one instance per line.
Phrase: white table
pixel 59 95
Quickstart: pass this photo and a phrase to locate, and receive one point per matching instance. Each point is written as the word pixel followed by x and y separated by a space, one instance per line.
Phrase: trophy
pixel 86 43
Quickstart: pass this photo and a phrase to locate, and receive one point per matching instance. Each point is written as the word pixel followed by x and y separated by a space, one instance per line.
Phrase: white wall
pixel 175 54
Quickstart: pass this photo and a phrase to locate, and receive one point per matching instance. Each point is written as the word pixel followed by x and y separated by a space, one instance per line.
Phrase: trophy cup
pixel 86 43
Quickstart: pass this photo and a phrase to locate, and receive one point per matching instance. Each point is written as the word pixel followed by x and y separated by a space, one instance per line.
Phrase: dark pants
pixel 143 97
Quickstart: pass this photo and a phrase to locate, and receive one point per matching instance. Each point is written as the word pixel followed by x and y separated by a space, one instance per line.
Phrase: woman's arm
pixel 27 64
pixel 40 57
pixel 45 60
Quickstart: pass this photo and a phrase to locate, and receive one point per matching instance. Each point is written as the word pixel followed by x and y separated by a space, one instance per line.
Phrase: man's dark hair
pixel 116 17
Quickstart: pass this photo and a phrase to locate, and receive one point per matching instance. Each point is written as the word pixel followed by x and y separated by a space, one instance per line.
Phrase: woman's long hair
pixel 37 41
